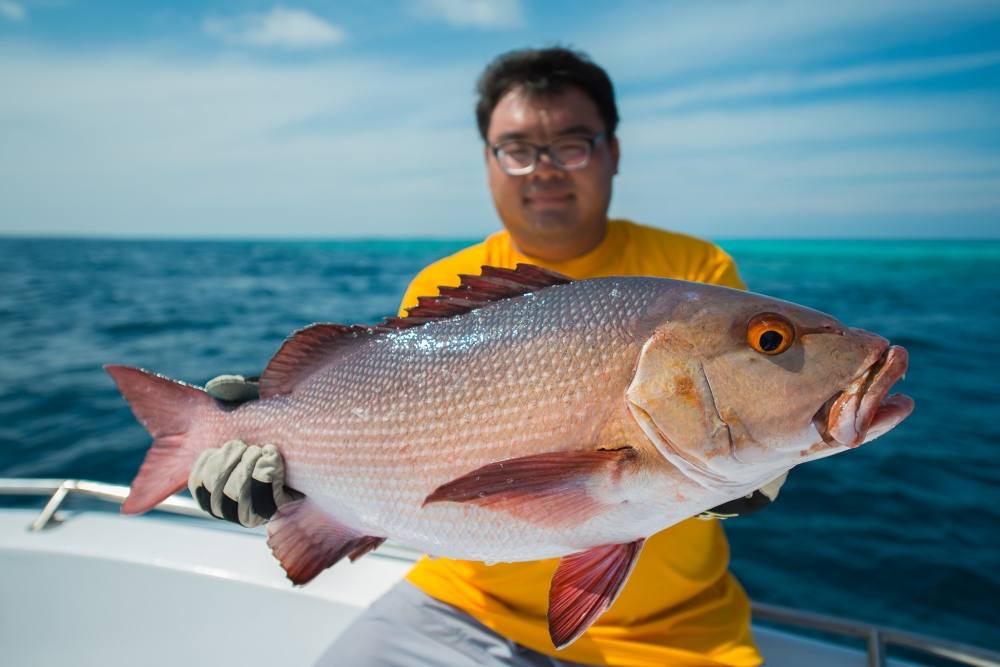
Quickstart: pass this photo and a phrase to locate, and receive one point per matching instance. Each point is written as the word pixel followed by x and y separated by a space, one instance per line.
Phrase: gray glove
pixel 748 504
pixel 241 483
pixel 233 388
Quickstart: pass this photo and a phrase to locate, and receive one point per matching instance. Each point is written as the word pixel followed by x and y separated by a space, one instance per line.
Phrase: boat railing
pixel 878 638
pixel 59 489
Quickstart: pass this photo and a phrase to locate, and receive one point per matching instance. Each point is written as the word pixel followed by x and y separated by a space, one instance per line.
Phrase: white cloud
pixel 680 39
pixel 821 125
pixel 293 29
pixel 136 144
pixel 487 14
pixel 863 167
pixel 769 84
pixel 12 11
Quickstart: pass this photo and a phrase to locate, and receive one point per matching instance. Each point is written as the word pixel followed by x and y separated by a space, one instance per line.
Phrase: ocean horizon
pixel 900 532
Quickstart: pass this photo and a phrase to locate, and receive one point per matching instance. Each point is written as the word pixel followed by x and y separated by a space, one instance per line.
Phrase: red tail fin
pixel 167 409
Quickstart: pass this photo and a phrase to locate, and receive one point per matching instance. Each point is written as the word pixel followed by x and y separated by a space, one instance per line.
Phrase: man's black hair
pixel 545 72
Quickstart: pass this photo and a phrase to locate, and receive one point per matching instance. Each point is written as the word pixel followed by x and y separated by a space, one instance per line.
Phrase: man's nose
pixel 544 166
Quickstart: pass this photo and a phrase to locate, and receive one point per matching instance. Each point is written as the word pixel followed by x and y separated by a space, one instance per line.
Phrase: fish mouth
pixel 864 410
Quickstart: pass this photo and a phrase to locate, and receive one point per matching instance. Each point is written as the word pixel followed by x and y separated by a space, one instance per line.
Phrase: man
pixel 548 119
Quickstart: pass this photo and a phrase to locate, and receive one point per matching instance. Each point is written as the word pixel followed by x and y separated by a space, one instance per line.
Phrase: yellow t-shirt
pixel 680 606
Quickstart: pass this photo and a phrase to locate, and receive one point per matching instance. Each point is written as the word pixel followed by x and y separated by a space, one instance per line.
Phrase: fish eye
pixel 770 333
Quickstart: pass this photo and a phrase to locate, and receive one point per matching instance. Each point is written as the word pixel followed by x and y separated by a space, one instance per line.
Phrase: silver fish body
pixel 523 416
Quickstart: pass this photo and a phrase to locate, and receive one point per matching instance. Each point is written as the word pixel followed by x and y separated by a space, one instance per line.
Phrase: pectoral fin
pixel 549 488
pixel 585 585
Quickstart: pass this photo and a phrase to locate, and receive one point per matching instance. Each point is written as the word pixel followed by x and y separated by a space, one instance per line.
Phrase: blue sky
pixel 320 120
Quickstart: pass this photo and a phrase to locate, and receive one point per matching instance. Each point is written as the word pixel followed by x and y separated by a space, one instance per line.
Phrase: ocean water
pixel 903 531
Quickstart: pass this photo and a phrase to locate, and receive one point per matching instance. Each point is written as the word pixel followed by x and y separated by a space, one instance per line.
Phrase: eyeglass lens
pixel 565 153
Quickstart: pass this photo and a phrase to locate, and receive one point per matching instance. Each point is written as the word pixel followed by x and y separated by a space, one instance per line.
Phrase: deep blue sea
pixel 903 531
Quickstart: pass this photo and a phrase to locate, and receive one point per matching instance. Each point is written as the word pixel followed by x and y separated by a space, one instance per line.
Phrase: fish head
pixel 734 388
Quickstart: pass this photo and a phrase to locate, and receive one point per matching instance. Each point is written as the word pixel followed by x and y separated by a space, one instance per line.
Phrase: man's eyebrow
pixel 572 130
pixel 511 136
pixel 575 129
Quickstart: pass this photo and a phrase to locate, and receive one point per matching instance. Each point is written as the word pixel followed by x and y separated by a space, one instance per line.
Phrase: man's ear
pixel 616 153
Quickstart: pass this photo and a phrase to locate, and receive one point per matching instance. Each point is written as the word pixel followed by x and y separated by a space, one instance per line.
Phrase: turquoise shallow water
pixel 903 532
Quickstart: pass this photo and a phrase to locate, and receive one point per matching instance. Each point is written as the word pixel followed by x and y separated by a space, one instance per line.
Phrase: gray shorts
pixel 408 628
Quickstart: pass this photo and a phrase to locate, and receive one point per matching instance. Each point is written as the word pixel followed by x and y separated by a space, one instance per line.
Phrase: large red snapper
pixel 524 416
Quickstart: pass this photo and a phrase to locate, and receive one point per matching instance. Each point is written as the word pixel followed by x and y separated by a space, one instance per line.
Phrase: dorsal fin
pixel 493 284
pixel 304 352
pixel 313 347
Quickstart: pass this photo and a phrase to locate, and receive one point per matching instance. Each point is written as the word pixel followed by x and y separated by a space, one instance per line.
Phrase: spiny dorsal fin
pixel 304 352
pixel 309 349
pixel 493 284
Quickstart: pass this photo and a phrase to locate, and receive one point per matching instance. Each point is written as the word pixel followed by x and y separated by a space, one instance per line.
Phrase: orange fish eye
pixel 770 333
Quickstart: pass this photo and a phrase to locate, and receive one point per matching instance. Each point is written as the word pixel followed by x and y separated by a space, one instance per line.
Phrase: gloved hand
pixel 241 483
pixel 233 388
pixel 749 503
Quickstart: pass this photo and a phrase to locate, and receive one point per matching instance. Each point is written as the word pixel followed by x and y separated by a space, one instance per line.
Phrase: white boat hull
pixel 102 589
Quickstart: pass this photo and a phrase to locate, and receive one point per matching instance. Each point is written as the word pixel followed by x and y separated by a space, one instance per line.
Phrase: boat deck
pixel 95 588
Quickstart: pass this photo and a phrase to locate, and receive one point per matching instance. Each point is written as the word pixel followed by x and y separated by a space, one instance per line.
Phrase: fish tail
pixel 168 410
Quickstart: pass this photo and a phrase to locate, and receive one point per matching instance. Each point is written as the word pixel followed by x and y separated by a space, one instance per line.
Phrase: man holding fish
pixel 548 119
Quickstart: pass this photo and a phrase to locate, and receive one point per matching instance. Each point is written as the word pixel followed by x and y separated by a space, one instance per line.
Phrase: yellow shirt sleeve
pixel 720 269
pixel 658 252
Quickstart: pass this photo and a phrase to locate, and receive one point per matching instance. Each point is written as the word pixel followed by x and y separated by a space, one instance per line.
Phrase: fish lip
pixel 864 410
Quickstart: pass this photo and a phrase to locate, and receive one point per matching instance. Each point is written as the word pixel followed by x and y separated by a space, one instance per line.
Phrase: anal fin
pixel 365 544
pixel 585 585
pixel 306 540
pixel 550 489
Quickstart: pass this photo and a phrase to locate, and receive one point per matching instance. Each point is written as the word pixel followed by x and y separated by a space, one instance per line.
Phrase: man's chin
pixel 551 219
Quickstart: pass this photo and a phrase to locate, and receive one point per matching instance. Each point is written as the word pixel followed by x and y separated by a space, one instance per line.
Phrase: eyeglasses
pixel 518 158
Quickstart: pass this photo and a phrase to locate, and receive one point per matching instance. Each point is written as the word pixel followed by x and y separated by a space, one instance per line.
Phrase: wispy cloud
pixel 763 86
pixel 719 138
pixel 862 167
pixel 683 39
pixel 485 14
pixel 282 27
pixel 236 147
pixel 12 11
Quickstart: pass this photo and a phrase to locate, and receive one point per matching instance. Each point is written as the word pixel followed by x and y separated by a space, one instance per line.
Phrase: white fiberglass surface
pixel 106 590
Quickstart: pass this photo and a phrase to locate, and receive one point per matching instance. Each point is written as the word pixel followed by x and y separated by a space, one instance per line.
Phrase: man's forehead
pixel 520 114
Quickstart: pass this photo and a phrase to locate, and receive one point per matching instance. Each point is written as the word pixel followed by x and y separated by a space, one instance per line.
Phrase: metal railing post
pixel 876 650
pixel 43 519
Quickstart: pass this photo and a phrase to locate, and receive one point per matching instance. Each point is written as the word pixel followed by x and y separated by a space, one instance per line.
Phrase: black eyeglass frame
pixel 546 149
